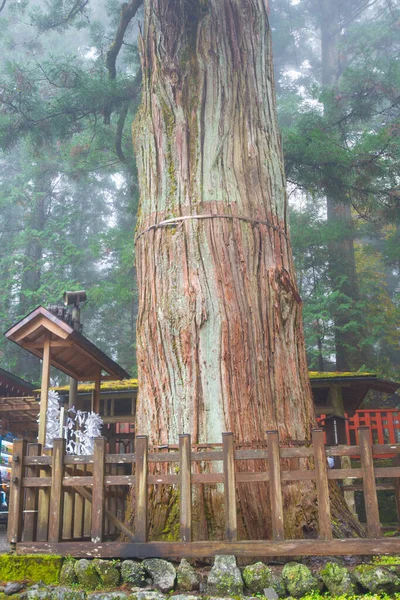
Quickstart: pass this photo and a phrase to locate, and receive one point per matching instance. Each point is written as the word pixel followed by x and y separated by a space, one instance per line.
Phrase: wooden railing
pixel 40 486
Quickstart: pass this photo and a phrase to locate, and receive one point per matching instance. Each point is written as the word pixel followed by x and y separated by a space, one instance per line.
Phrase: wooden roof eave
pixel 74 354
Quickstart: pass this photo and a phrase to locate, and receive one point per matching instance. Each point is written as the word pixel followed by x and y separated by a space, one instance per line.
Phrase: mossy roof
pixel 339 374
pixel 106 386
pixel 132 384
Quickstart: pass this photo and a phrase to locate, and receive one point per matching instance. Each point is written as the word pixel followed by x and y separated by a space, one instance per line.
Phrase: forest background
pixel 69 89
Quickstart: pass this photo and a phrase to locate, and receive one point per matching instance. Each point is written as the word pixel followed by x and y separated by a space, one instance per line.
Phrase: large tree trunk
pixel 219 338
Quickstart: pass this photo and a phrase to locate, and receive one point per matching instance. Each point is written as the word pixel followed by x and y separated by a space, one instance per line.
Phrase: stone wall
pixel 54 578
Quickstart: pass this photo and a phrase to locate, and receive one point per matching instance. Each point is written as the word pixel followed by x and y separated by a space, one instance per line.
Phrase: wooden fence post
pixel 44 503
pixel 229 487
pixel 141 451
pixel 56 495
pixel 98 494
pixel 31 499
pixel 274 465
pixel 369 484
pixel 321 473
pixel 185 488
pixel 14 529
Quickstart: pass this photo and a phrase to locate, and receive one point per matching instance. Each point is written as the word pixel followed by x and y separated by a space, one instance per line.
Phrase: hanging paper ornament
pixel 52 418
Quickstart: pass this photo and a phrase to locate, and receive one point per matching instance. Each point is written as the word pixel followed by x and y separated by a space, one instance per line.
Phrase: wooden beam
pixel 22 407
pixel 33 326
pixel 31 499
pixel 98 501
pixel 229 478
pixel 120 419
pixel 57 495
pixel 324 511
pixel 141 496
pixel 96 393
pixel 44 391
pixel 54 344
pixel 14 529
pixel 275 487
pixel 345 547
pixel 185 488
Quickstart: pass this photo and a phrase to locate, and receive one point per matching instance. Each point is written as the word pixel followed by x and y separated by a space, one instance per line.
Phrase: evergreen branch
pixel 77 8
pixel 127 14
pixel 123 115
pixel 120 128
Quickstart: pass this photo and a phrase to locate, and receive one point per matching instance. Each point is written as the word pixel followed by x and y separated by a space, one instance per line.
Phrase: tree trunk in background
pixel 342 262
pixel 28 366
pixel 219 338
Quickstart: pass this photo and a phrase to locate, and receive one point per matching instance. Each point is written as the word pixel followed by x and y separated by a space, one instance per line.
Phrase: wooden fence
pixel 42 487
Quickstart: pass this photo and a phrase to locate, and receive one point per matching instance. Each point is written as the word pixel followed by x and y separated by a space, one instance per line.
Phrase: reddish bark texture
pixel 219 340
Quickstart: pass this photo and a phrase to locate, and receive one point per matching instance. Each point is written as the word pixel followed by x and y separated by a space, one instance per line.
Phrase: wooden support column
pixel 31 499
pixel 96 393
pixel 229 487
pixel 141 451
pixel 57 496
pixel 274 467
pixel 44 504
pixel 185 488
pixel 369 483
pixel 14 529
pixel 44 390
pixel 98 494
pixel 321 472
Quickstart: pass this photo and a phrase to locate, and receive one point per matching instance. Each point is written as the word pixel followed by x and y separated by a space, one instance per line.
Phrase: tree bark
pixel 219 336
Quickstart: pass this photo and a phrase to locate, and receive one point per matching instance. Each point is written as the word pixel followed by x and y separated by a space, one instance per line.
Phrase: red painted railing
pixel 384 425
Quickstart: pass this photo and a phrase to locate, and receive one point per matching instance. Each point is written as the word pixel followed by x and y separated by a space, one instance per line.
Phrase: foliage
pixel 69 88
pixel 67 203
pixel 340 124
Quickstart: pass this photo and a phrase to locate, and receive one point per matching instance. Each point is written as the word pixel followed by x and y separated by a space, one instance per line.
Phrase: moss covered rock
pixel 68 575
pixel 41 567
pixel 224 578
pixel 145 595
pixel 4 596
pixel 108 572
pixel 87 574
pixel 39 594
pixel 277 585
pixel 107 596
pixel 257 577
pixel 186 597
pixel 377 579
pixel 298 579
pixel 133 572
pixel 162 572
pixel 65 593
pixel 337 580
pixel 187 578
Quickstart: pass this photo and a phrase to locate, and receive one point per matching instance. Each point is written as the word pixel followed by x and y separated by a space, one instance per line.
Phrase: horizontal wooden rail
pixel 345 547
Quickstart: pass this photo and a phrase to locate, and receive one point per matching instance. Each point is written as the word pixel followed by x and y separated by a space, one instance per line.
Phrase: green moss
pixel 35 568
pixel 125 384
pixel 386 560
pixel 170 533
pixel 338 374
